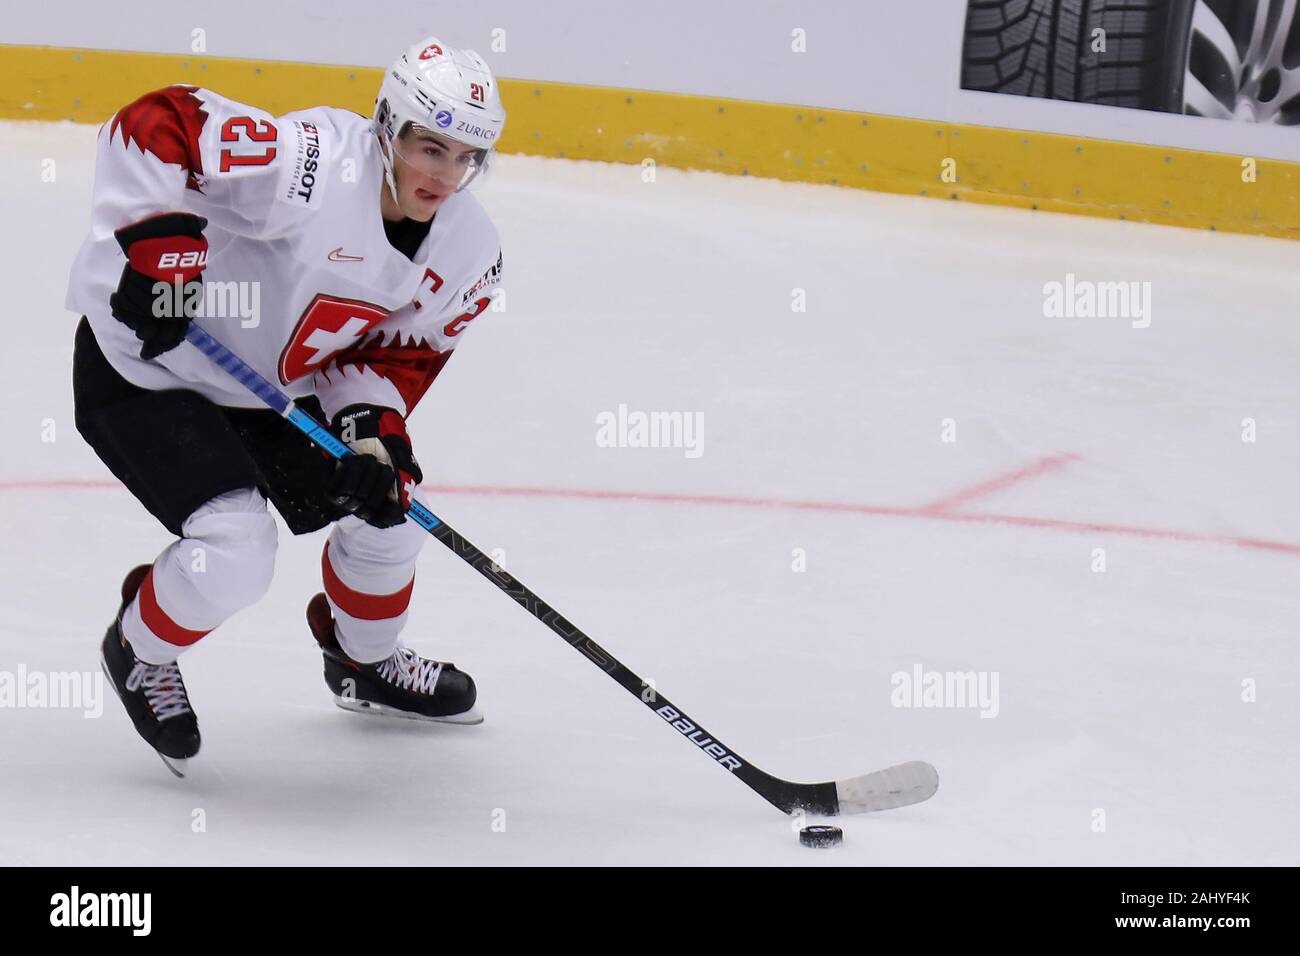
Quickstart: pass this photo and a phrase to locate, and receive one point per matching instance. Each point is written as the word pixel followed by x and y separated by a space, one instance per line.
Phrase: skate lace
pixel 163 688
pixel 409 670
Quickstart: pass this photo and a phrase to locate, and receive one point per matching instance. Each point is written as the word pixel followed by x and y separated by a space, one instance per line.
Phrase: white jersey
pixel 301 280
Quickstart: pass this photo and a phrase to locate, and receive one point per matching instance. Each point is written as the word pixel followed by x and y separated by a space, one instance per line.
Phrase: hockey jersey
pixel 301 281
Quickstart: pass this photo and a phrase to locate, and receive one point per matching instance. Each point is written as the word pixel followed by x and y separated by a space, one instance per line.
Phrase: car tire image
pixel 1217 58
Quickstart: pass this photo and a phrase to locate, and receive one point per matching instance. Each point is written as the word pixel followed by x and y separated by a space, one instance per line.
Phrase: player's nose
pixel 442 181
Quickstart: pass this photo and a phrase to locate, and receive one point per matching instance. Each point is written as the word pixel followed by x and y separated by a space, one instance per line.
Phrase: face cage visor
pixel 428 160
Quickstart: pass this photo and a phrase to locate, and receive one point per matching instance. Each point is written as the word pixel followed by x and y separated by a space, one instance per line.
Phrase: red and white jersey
pixel 301 281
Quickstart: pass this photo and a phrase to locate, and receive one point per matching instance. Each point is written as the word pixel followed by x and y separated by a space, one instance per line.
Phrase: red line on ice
pixel 786 504
pixel 879 510
pixel 1032 470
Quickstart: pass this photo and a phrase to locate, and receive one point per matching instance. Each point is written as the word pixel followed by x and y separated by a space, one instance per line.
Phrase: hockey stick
pixel 895 786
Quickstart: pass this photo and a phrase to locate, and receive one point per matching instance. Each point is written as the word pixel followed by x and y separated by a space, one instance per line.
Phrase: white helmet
pixel 441 88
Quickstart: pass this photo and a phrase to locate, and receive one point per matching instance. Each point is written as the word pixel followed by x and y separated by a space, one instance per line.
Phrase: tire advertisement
pixel 1225 59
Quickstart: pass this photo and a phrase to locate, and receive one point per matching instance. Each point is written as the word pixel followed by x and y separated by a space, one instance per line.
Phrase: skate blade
pixel 176 765
pixel 471 716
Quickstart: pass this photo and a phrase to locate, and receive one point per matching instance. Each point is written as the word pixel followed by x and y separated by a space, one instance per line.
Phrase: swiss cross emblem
pixel 328 326
pixel 430 51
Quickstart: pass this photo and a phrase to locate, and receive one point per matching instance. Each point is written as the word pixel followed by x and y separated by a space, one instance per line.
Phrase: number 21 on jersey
pixel 237 129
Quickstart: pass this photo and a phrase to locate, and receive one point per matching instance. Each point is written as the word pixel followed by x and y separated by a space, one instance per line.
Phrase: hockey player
pixel 367 261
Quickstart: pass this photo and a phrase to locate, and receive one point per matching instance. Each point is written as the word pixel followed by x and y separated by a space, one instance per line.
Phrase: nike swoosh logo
pixel 338 255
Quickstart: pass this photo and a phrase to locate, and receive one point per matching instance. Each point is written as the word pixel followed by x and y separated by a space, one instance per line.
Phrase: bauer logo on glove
pixel 161 284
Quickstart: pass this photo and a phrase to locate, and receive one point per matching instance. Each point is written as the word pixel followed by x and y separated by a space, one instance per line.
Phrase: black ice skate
pixel 404 685
pixel 153 694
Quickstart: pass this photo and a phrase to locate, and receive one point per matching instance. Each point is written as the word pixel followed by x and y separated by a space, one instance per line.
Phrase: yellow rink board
pixel 1095 177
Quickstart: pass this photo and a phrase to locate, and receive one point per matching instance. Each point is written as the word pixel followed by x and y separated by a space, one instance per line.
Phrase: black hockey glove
pixel 167 249
pixel 377 482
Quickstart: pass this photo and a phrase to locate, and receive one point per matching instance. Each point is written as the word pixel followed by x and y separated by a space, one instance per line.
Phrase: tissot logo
pixel 492 275
pixel 308 166
pixel 312 160
pixel 74 908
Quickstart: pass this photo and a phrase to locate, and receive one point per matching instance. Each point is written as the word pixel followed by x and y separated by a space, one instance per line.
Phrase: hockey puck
pixel 821 836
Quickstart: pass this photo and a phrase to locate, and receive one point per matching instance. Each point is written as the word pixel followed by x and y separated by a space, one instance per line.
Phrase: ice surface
pixel 1120 692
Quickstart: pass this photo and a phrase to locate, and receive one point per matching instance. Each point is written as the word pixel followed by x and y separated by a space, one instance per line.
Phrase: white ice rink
pixel 1120 693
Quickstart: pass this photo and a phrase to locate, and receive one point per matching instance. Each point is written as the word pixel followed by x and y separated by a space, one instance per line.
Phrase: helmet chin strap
pixel 390 174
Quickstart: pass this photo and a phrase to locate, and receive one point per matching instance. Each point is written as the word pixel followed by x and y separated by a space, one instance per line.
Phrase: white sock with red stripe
pixel 222 565
pixel 369 574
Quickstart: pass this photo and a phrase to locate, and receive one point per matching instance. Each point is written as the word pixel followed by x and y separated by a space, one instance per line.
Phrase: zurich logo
pixel 443 118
